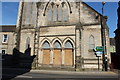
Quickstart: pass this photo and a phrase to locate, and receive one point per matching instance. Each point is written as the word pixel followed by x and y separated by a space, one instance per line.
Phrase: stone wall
pixel 10 44
pixel 82 22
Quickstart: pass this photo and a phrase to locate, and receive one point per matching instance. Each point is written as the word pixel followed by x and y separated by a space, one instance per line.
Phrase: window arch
pixel 46 45
pixel 54 13
pixel 60 13
pixel 91 42
pixel 28 42
pixel 65 12
pixel 57 44
pixel 49 14
pixel 68 44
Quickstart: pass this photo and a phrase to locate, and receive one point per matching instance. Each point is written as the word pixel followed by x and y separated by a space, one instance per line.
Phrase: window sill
pixel 4 43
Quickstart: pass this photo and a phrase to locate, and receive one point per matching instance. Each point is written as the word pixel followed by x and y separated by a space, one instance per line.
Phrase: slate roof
pixel 7 28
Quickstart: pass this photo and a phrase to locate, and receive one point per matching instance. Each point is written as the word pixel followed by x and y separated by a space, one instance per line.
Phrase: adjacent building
pixel 117 37
pixel 7 40
pixel 112 45
pixel 61 34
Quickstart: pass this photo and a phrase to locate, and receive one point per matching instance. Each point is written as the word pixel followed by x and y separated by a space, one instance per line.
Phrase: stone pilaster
pixel 77 42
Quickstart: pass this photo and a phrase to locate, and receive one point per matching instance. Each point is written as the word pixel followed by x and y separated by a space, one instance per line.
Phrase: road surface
pixel 21 74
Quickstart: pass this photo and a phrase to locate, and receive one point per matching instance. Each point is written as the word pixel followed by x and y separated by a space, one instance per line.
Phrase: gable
pixel 89 15
pixel 86 15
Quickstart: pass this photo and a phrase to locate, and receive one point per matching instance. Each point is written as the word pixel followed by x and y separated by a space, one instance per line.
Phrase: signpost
pixel 99 48
pixel 98 52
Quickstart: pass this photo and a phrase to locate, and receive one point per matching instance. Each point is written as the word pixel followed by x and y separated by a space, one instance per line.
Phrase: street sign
pixel 99 54
pixel 99 48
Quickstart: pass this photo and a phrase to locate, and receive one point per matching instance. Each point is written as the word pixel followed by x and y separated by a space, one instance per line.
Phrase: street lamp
pixel 103 36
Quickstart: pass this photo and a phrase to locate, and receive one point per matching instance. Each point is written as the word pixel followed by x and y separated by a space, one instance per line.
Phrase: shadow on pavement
pixel 16 64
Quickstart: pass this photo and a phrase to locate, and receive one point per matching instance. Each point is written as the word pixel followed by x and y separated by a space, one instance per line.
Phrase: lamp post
pixel 103 35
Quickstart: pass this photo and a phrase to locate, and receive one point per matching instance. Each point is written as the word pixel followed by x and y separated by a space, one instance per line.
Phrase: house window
pixel 3 51
pixel 91 42
pixel 5 38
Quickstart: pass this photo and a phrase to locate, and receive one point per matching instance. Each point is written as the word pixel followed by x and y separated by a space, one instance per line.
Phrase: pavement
pixel 74 72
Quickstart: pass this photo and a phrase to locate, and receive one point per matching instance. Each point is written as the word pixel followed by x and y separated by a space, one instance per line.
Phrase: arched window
pixel 28 43
pixel 60 13
pixel 65 13
pixel 46 45
pixel 68 44
pixel 54 13
pixel 91 42
pixel 57 45
pixel 49 14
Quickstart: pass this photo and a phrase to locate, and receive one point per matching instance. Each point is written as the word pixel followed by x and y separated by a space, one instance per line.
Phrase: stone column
pixel 41 56
pixel 78 61
pixel 77 42
pixel 77 49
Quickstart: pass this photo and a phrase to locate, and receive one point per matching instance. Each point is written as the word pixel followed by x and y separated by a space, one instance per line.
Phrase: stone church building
pixel 61 34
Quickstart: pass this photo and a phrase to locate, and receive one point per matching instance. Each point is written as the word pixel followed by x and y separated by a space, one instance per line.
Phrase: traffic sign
pixel 99 54
pixel 99 48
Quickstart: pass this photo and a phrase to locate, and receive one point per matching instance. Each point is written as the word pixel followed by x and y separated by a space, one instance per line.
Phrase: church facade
pixel 61 34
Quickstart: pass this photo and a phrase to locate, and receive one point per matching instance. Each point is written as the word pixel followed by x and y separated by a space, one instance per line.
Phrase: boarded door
pixel 46 56
pixel 57 58
pixel 68 57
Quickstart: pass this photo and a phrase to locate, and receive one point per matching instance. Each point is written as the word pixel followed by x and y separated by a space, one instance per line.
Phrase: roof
pixel 112 42
pixel 8 28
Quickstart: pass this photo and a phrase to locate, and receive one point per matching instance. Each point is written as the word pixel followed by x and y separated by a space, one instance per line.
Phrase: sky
pixel 9 13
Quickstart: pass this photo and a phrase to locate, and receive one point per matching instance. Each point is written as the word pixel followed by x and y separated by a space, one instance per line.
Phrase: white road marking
pixel 21 76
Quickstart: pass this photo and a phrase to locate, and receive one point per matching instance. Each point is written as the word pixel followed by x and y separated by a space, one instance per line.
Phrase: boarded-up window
pixel 91 42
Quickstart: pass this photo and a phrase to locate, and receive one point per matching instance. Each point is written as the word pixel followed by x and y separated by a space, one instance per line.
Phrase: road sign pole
pixel 98 64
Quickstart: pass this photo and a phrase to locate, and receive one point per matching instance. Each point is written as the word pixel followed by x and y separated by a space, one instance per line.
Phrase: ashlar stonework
pixel 61 34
